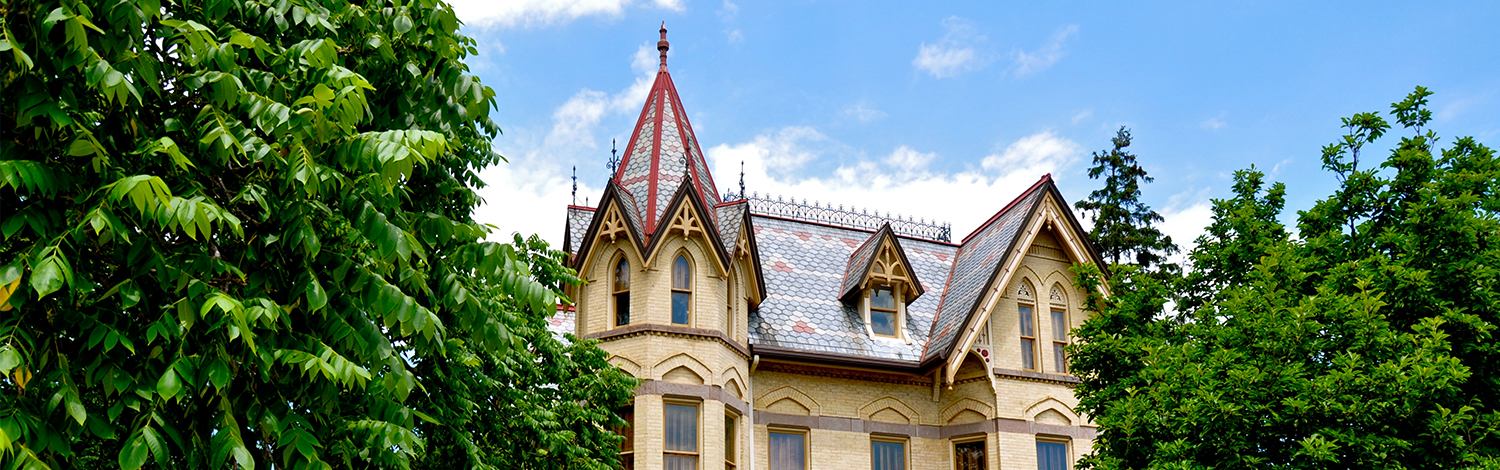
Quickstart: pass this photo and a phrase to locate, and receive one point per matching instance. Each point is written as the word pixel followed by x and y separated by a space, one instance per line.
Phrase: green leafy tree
pixel 546 406
pixel 1364 343
pixel 238 233
pixel 1123 226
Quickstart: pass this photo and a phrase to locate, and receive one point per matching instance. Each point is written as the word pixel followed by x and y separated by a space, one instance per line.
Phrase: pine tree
pixel 1123 228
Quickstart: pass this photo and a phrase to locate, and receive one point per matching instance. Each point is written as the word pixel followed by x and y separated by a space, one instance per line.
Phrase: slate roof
pixel 975 267
pixel 803 267
pixel 578 224
pixel 661 154
pixel 731 217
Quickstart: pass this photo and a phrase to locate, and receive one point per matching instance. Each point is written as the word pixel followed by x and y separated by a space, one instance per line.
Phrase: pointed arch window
pixel 621 291
pixel 682 291
pixel 883 311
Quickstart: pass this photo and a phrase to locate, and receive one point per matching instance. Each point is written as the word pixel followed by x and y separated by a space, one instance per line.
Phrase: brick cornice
pixel 669 330
pixel 1029 376
pixel 842 373
pixel 927 431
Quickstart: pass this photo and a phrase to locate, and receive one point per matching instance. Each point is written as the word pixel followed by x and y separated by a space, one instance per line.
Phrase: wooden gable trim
pixel 1046 213
pixel 690 219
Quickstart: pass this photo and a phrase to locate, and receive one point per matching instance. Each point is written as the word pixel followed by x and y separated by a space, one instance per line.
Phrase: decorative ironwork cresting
pixel 827 214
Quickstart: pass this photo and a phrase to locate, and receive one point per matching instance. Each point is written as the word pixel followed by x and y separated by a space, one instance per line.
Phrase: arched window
pixel 682 290
pixel 622 292
pixel 1059 330
pixel 883 312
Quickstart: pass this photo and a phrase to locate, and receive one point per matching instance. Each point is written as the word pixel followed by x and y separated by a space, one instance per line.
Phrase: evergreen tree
pixel 1364 343
pixel 1123 230
pixel 239 233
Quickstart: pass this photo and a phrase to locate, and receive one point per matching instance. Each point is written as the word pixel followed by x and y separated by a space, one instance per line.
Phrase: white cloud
pixel 735 37
pixel 527 194
pixel 863 112
pixel 1458 106
pixel 1040 149
pixel 529 13
pixel 1085 114
pixel 1184 225
pixel 1028 63
pixel 1213 124
pixel 953 54
pixel 728 11
pixel 900 183
pixel 943 60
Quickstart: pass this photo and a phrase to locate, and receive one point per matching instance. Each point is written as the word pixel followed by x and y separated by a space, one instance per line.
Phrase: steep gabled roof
pixel 863 257
pixel 663 152
pixel 976 265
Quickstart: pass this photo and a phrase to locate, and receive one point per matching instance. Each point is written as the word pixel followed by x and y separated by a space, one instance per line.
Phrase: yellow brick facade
pixel 840 408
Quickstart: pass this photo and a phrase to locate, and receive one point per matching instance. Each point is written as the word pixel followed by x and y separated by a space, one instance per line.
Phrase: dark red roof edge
pixel 1045 178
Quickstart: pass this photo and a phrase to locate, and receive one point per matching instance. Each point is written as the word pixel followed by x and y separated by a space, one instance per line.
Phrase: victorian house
pixel 777 335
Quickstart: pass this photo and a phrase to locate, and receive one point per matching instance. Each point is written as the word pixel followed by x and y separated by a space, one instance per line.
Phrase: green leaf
pixel 81 147
pixel 75 407
pixel 49 276
pixel 403 24
pixel 168 385
pixel 10 358
pixel 133 454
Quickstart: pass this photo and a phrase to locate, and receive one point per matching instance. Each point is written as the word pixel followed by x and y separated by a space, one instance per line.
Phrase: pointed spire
pixel 575 185
pixel 662 153
pixel 742 179
pixel 662 46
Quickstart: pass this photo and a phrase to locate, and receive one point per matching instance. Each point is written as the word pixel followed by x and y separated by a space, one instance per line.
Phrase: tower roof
pixel 663 152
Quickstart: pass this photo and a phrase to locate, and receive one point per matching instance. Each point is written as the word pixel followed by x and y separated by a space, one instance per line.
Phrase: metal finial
pixel 614 160
pixel 662 46
pixel 742 179
pixel 575 185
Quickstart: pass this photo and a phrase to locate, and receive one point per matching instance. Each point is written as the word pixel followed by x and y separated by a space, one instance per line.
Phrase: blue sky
pixel 947 111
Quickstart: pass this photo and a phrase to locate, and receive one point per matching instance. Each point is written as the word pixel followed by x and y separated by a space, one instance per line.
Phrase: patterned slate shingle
pixel 804 263
pixel 975 264
pixel 578 223
pixel 859 263
pixel 730 221
pixel 562 323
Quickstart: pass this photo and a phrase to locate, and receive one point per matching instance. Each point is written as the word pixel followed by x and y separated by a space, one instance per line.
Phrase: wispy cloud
pixel 863 112
pixel 1214 123
pixel 532 13
pixel 1458 106
pixel 1029 62
pixel 1081 115
pixel 727 14
pixel 952 55
pixel 527 194
pixel 901 182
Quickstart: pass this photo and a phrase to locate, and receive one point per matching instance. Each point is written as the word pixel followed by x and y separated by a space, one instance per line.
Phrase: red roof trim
pixel 1045 178
pixel 630 146
pixel 656 92
pixel 586 208
pixel 688 149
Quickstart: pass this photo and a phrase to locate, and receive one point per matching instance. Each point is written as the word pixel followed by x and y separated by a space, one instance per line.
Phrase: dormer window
pixel 879 281
pixel 682 291
pixel 883 312
pixel 622 292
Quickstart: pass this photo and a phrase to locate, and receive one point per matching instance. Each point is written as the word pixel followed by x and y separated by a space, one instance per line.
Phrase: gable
pixel 1048 221
pixel 880 260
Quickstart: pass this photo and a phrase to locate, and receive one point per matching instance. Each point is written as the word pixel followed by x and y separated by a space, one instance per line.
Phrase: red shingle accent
pixel 783 267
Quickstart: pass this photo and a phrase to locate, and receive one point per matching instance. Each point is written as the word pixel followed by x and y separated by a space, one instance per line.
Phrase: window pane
pixel 1028 354
pixel 622 308
pixel 682 274
pixel 627 414
pixel 681 462
pixel 682 427
pixel 969 456
pixel 729 441
pixel 680 303
pixel 622 275
pixel 1059 325
pixel 1059 358
pixel 888 455
pixel 788 451
pixel 1051 456
pixel 1027 328
pixel 883 323
pixel 882 298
